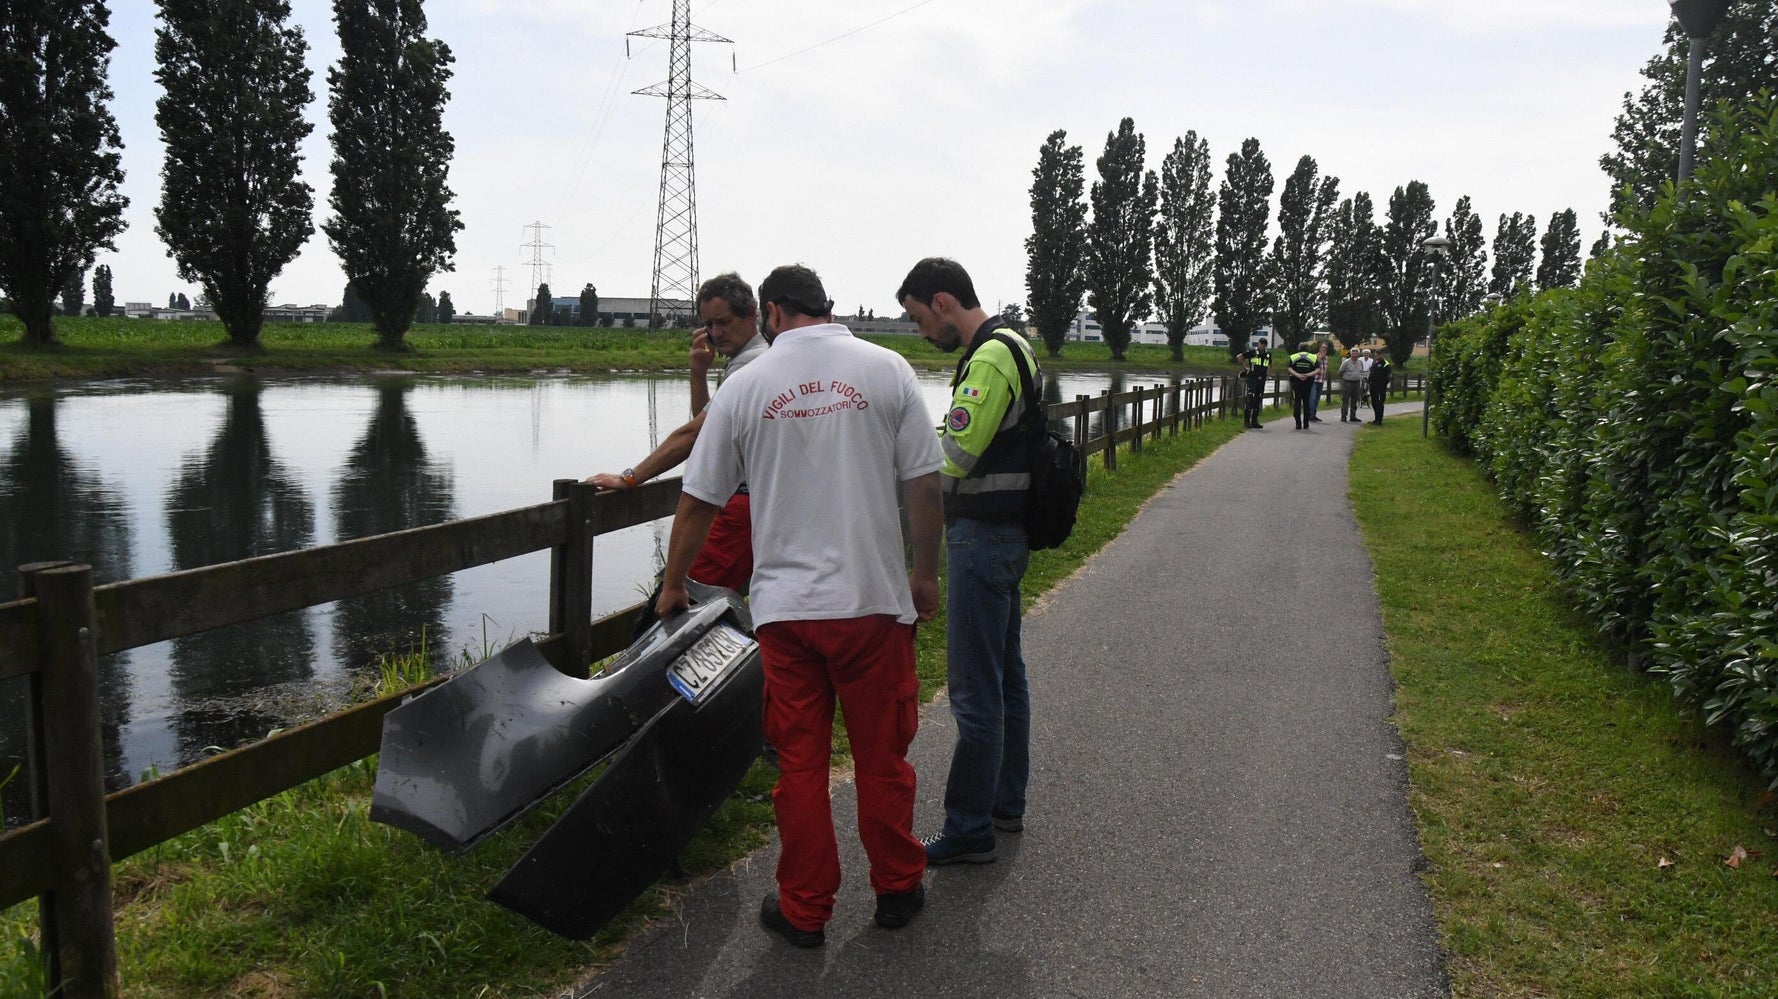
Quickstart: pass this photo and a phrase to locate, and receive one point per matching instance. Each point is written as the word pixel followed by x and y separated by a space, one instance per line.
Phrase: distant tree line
pixel 1139 244
pixel 233 211
pixel 1142 244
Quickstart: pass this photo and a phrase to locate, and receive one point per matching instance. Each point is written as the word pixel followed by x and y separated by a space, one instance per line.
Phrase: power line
pixel 589 145
pixel 830 41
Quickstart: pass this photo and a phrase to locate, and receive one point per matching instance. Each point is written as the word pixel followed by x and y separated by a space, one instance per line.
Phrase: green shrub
pixel 1633 422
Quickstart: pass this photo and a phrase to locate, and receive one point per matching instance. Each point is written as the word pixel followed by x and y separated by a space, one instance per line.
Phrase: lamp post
pixel 1698 18
pixel 1437 248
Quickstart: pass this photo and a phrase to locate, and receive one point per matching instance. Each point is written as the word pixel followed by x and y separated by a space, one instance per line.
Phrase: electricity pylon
pixel 676 217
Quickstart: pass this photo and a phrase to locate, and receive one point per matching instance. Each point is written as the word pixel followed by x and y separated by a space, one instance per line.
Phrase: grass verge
pixel 1583 837
pixel 90 347
pixel 302 895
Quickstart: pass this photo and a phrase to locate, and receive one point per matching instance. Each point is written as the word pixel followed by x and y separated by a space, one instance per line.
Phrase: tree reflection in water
pixel 53 509
pixel 236 500
pixel 390 483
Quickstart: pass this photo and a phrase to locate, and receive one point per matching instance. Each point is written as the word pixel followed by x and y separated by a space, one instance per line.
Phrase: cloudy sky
pixel 858 137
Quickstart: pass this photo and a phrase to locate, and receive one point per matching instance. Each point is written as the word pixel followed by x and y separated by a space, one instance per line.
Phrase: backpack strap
pixel 1033 417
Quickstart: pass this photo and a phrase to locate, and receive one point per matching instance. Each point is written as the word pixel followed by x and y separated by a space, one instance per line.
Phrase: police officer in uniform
pixel 1302 378
pixel 1256 368
pixel 1379 375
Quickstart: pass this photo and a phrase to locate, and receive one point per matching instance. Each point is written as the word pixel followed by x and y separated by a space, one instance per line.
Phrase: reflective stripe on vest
pixel 1000 478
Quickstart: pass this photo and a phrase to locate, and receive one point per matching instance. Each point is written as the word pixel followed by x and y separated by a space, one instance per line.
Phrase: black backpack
pixel 1058 476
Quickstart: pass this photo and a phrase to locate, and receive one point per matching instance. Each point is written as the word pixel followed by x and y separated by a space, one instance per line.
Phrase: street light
pixel 1437 247
pixel 1698 18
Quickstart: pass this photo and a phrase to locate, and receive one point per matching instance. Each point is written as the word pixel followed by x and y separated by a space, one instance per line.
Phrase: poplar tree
pixel 1242 279
pixel 543 306
pixel 103 301
pixel 1463 277
pixel 1407 276
pixel 59 153
pixel 589 304
pixel 1559 266
pixel 1299 254
pixel 74 294
pixel 1515 253
pixel 447 312
pixel 1120 238
pixel 392 225
pixel 1739 62
pixel 234 210
pixel 1184 240
pixel 1354 271
pixel 1055 252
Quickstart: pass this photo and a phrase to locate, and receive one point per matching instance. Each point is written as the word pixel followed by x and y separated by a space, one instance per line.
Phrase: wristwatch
pixel 629 477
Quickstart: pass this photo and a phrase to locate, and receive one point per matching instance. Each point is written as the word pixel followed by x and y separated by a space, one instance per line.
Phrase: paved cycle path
pixel 1218 798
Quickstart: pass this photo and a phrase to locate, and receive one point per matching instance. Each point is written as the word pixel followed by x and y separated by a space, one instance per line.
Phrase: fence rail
pixel 54 634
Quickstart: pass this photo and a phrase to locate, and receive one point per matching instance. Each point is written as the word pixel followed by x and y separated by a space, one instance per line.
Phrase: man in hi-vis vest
pixel 986 478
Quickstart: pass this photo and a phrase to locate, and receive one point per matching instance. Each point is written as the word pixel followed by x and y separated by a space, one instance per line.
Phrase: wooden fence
pixel 52 637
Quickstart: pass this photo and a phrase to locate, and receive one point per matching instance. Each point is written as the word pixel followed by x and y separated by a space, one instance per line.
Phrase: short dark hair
pixel 936 274
pixel 796 289
pixel 731 289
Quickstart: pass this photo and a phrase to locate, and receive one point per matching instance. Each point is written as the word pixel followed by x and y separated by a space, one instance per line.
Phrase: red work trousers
pixel 868 663
pixel 727 556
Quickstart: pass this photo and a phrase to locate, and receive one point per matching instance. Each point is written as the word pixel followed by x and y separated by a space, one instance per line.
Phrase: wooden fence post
pixel 571 578
pixel 37 783
pixel 74 780
pixel 1110 428
pixel 1081 421
pixel 1137 411
pixel 1159 409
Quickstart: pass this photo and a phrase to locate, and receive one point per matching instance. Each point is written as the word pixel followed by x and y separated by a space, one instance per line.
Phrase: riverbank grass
pixel 112 347
pixel 303 896
pixel 1583 838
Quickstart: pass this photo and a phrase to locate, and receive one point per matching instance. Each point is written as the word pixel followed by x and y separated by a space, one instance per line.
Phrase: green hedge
pixel 1633 422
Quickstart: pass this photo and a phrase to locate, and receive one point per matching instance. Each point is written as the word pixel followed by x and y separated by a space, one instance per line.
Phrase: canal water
pixel 140 478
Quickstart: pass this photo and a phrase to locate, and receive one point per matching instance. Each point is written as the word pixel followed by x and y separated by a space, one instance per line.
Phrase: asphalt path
pixel 1218 801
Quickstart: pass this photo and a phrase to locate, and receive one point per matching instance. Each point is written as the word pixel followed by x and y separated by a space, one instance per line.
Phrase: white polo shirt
pixel 823 428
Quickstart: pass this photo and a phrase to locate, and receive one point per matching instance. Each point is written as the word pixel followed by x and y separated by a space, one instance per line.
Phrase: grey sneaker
pixel 942 850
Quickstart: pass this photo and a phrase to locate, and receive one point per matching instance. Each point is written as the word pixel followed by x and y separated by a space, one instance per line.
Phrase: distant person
pixel 1256 369
pixel 827 429
pixel 730 316
pixel 1320 382
pixel 1302 376
pixel 1381 372
pixel 987 475
pixel 1351 386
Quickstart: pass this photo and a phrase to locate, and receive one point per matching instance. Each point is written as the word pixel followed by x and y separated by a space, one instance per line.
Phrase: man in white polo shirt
pixel 826 428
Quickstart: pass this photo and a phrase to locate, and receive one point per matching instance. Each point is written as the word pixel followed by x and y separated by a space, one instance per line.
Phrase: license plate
pixel 698 672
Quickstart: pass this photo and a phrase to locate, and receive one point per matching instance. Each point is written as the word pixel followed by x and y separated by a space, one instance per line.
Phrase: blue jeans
pixel 1314 398
pixel 984 563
